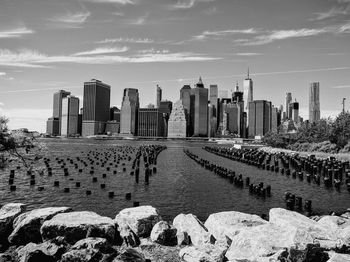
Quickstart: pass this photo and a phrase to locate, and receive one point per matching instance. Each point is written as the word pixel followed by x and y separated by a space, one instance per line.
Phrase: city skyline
pixel 51 45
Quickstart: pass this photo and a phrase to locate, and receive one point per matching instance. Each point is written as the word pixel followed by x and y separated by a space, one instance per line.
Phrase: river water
pixel 180 185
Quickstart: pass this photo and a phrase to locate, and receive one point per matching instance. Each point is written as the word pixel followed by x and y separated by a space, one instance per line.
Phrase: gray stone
pixel 335 257
pixel 197 232
pixel 183 238
pixel 129 237
pixel 50 250
pixel 225 225
pixel 139 219
pixel 265 241
pixel 130 255
pixel 8 213
pixel 204 253
pixel 164 234
pixel 78 225
pixel 27 225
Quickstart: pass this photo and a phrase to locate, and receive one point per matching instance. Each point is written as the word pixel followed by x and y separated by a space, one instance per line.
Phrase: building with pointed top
pixel 247 91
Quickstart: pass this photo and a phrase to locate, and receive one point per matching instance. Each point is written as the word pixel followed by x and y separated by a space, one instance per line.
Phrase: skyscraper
pixel 248 91
pixel 213 110
pixel 57 106
pixel 158 96
pixel 295 112
pixel 260 116
pixel 96 107
pixel 288 101
pixel 150 122
pixel 129 110
pixel 314 102
pixel 187 98
pixel 200 109
pixel 70 115
pixel 177 122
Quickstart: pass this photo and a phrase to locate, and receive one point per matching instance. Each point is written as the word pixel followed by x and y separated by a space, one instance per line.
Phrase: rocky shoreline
pixel 139 234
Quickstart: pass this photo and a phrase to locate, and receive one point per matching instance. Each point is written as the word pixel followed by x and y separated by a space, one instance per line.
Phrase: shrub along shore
pixel 140 234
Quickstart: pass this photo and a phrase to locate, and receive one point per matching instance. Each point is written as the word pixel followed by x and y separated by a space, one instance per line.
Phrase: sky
pixel 48 45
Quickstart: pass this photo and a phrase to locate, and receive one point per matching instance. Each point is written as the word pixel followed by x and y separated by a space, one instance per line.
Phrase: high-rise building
pixel 295 112
pixel 52 126
pixel 150 122
pixel 314 102
pixel 233 118
pixel 165 108
pixel 158 96
pixel 114 114
pixel 274 118
pixel 96 107
pixel 259 118
pixel 57 106
pixel 177 126
pixel 70 116
pixel 200 109
pixel 187 100
pixel 288 101
pixel 213 110
pixel 237 97
pixel 248 91
pixel 129 111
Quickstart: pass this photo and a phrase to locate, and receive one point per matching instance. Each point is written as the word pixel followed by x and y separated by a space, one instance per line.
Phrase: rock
pixel 158 253
pixel 321 234
pixel 225 225
pixel 164 234
pixel 130 255
pixel 8 213
pixel 345 235
pixel 335 257
pixel 139 219
pixel 47 250
pixel 129 237
pixel 27 225
pixel 333 223
pixel 183 238
pixel 88 250
pixel 78 225
pixel 5 257
pixel 264 241
pixel 197 232
pixel 204 253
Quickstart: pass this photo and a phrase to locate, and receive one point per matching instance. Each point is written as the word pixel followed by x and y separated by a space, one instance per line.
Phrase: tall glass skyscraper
pixel 129 111
pixel 57 106
pixel 96 107
pixel 314 102
pixel 200 109
pixel 70 114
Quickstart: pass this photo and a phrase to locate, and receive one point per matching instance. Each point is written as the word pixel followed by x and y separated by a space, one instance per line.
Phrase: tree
pixel 18 146
pixel 340 130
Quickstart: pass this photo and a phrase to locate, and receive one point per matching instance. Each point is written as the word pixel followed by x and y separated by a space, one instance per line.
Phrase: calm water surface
pixel 179 186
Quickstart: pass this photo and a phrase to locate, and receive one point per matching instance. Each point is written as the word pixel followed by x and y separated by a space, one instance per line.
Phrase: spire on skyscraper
pixel 237 87
pixel 200 81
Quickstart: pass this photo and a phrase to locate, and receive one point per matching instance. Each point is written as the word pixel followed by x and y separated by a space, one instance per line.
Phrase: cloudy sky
pixel 46 45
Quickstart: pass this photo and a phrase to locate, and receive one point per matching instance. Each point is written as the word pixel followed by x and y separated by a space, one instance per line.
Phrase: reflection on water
pixel 179 186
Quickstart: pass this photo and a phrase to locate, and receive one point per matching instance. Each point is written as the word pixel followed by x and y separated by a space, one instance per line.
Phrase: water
pixel 179 186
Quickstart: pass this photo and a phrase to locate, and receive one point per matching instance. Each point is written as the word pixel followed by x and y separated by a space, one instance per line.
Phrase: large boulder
pixel 194 228
pixel 335 257
pixel 225 225
pixel 27 225
pixel 129 237
pixel 139 219
pixel 47 250
pixel 164 234
pixel 265 241
pixel 74 226
pixel 204 253
pixel 8 213
pixel 130 255
pixel 321 234
pixel 89 250
pixel 333 223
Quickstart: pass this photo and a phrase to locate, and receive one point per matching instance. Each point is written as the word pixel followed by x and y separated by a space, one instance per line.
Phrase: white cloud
pixel 122 2
pixel 186 4
pixel 341 86
pixel 2 73
pixel 103 50
pixel 138 21
pixel 126 40
pixel 341 9
pixel 2 104
pixel 29 58
pixel 154 51
pixel 73 20
pixel 223 33
pixel 16 33
pixel 248 54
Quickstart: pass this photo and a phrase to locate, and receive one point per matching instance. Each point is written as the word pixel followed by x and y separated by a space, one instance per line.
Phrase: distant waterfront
pixel 179 185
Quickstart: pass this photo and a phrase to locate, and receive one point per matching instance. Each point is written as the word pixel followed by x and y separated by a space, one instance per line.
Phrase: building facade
pixel 53 126
pixel 96 106
pixel 150 122
pixel 158 96
pixel 200 109
pixel 288 101
pixel 314 102
pixel 129 111
pixel 70 116
pixel 260 115
pixel 177 125
pixel 57 106
pixel 248 92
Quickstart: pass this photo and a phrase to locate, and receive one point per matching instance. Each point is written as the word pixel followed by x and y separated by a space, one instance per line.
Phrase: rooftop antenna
pixel 248 73
pixel 343 103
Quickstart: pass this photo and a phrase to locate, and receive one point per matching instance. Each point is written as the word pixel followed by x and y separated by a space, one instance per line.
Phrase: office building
pixel 165 108
pixel 112 127
pixel 96 107
pixel 259 118
pixel 288 101
pixel 52 126
pixel 200 109
pixel 129 111
pixel 248 92
pixel 158 96
pixel 57 106
pixel 187 98
pixel 314 102
pixel 213 113
pixel 70 116
pixel 233 112
pixel 295 112
pixel 150 122
pixel 177 125
pixel 114 114
pixel 274 118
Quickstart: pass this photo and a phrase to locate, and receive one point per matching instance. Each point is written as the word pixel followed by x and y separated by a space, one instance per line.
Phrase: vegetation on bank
pixel 327 135
pixel 18 146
